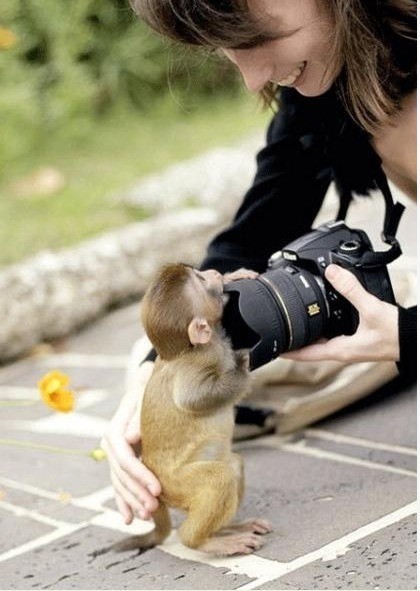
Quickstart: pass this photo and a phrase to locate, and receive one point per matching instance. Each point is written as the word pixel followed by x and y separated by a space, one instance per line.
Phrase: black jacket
pixel 310 142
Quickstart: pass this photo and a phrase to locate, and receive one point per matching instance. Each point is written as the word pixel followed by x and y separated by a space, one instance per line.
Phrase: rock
pixel 54 293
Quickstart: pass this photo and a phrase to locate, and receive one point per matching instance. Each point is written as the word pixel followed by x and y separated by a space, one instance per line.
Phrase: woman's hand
pixel 136 488
pixel 376 338
pixel 239 274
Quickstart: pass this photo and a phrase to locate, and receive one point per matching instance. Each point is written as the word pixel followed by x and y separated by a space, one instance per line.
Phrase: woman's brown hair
pixel 373 55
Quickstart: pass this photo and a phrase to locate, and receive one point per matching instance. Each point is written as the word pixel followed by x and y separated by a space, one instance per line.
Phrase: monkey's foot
pixel 255 525
pixel 238 543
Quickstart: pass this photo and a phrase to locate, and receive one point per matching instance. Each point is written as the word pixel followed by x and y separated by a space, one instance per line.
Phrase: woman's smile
pixel 293 76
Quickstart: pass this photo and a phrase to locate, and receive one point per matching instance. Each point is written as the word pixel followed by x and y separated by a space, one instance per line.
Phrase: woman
pixel 344 73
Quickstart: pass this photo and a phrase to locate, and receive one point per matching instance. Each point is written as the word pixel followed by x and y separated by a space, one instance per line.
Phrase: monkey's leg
pixel 162 529
pixel 255 525
pixel 211 508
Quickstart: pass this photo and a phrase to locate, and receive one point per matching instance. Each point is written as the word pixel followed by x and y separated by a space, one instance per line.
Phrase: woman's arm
pixel 290 184
pixel 135 487
pixel 407 330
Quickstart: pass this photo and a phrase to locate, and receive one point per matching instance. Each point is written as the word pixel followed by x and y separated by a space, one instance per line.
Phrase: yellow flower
pixel 98 454
pixel 54 392
pixel 7 38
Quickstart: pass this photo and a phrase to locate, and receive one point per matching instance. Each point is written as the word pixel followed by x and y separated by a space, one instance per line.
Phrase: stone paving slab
pixel 313 500
pixel 302 495
pixel 385 560
pixel 390 417
pixel 59 509
pixel 76 475
pixel 27 530
pixel 84 561
pixel 386 458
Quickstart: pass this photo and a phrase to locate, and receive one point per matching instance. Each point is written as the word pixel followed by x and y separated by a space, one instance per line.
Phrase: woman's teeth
pixel 293 76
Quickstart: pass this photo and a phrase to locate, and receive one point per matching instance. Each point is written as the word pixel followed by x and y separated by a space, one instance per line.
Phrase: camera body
pixel 334 242
pixel 292 304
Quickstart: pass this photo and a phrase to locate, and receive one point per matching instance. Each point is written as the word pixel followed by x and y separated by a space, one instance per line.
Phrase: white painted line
pixel 252 566
pixel 338 547
pixel 281 444
pixel 18 393
pixel 339 438
pixel 76 423
pixel 95 500
pixel 28 488
pixel 301 448
pixel 110 519
pixel 87 398
pixel 82 360
pixel 41 541
pixel 23 512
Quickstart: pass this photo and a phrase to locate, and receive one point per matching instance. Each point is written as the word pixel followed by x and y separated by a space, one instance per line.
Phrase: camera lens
pixel 282 309
pixel 301 302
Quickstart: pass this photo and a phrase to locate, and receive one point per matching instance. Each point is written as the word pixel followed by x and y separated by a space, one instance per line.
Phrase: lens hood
pixel 261 328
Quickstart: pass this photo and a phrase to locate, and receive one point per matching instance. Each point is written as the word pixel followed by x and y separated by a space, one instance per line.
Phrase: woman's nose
pixel 254 72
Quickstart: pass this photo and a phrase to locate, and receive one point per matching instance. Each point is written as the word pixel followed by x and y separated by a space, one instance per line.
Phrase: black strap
pixel 393 213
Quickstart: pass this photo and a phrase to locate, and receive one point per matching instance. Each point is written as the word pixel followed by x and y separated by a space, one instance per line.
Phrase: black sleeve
pixel 292 178
pixel 407 326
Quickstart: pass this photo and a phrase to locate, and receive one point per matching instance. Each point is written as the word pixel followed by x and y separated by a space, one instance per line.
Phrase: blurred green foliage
pixel 67 61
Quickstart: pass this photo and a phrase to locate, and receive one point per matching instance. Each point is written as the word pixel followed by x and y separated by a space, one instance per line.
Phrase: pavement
pixel 340 495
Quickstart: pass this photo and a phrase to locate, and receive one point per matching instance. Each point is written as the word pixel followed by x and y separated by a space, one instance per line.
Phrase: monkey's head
pixel 181 308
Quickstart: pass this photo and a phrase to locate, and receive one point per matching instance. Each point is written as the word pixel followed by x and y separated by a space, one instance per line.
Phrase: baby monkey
pixel 187 416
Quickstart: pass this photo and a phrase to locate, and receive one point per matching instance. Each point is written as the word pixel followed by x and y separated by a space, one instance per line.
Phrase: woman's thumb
pixel 347 285
pixel 132 431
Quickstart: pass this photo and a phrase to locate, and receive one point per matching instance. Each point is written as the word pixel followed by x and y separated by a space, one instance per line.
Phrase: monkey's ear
pixel 199 331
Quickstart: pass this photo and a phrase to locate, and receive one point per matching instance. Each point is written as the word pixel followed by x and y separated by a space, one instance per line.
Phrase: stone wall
pixel 54 293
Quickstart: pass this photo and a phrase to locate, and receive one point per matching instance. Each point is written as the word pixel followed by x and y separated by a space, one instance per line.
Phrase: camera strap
pixel 393 213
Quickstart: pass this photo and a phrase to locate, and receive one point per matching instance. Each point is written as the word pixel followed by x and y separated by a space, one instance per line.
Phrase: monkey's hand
pixel 239 274
pixel 242 359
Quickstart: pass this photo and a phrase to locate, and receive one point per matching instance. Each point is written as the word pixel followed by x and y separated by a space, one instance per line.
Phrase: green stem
pixel 59 450
pixel 20 403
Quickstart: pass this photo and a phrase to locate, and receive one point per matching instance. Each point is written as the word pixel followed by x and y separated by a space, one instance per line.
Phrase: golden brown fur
pixel 187 424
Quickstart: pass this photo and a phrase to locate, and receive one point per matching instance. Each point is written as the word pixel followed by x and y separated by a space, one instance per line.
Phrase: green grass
pixel 102 159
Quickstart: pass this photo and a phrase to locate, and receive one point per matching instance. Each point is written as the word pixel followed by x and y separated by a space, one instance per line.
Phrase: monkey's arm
pixel 220 382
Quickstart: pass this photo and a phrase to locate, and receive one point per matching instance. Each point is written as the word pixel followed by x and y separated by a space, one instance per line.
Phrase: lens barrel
pixel 281 310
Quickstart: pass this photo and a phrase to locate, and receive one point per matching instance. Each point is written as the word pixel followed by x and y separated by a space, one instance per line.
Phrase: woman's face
pixel 298 55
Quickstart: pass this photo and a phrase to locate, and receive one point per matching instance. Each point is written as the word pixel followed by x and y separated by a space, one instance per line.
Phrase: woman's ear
pixel 199 331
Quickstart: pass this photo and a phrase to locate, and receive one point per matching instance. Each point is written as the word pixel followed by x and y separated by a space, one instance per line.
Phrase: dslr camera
pixel 292 304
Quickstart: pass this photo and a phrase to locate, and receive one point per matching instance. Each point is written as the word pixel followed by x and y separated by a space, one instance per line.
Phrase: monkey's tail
pixel 162 529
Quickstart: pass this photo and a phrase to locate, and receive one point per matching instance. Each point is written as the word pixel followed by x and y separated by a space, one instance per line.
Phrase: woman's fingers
pixel 135 488
pixel 126 496
pixel 123 508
